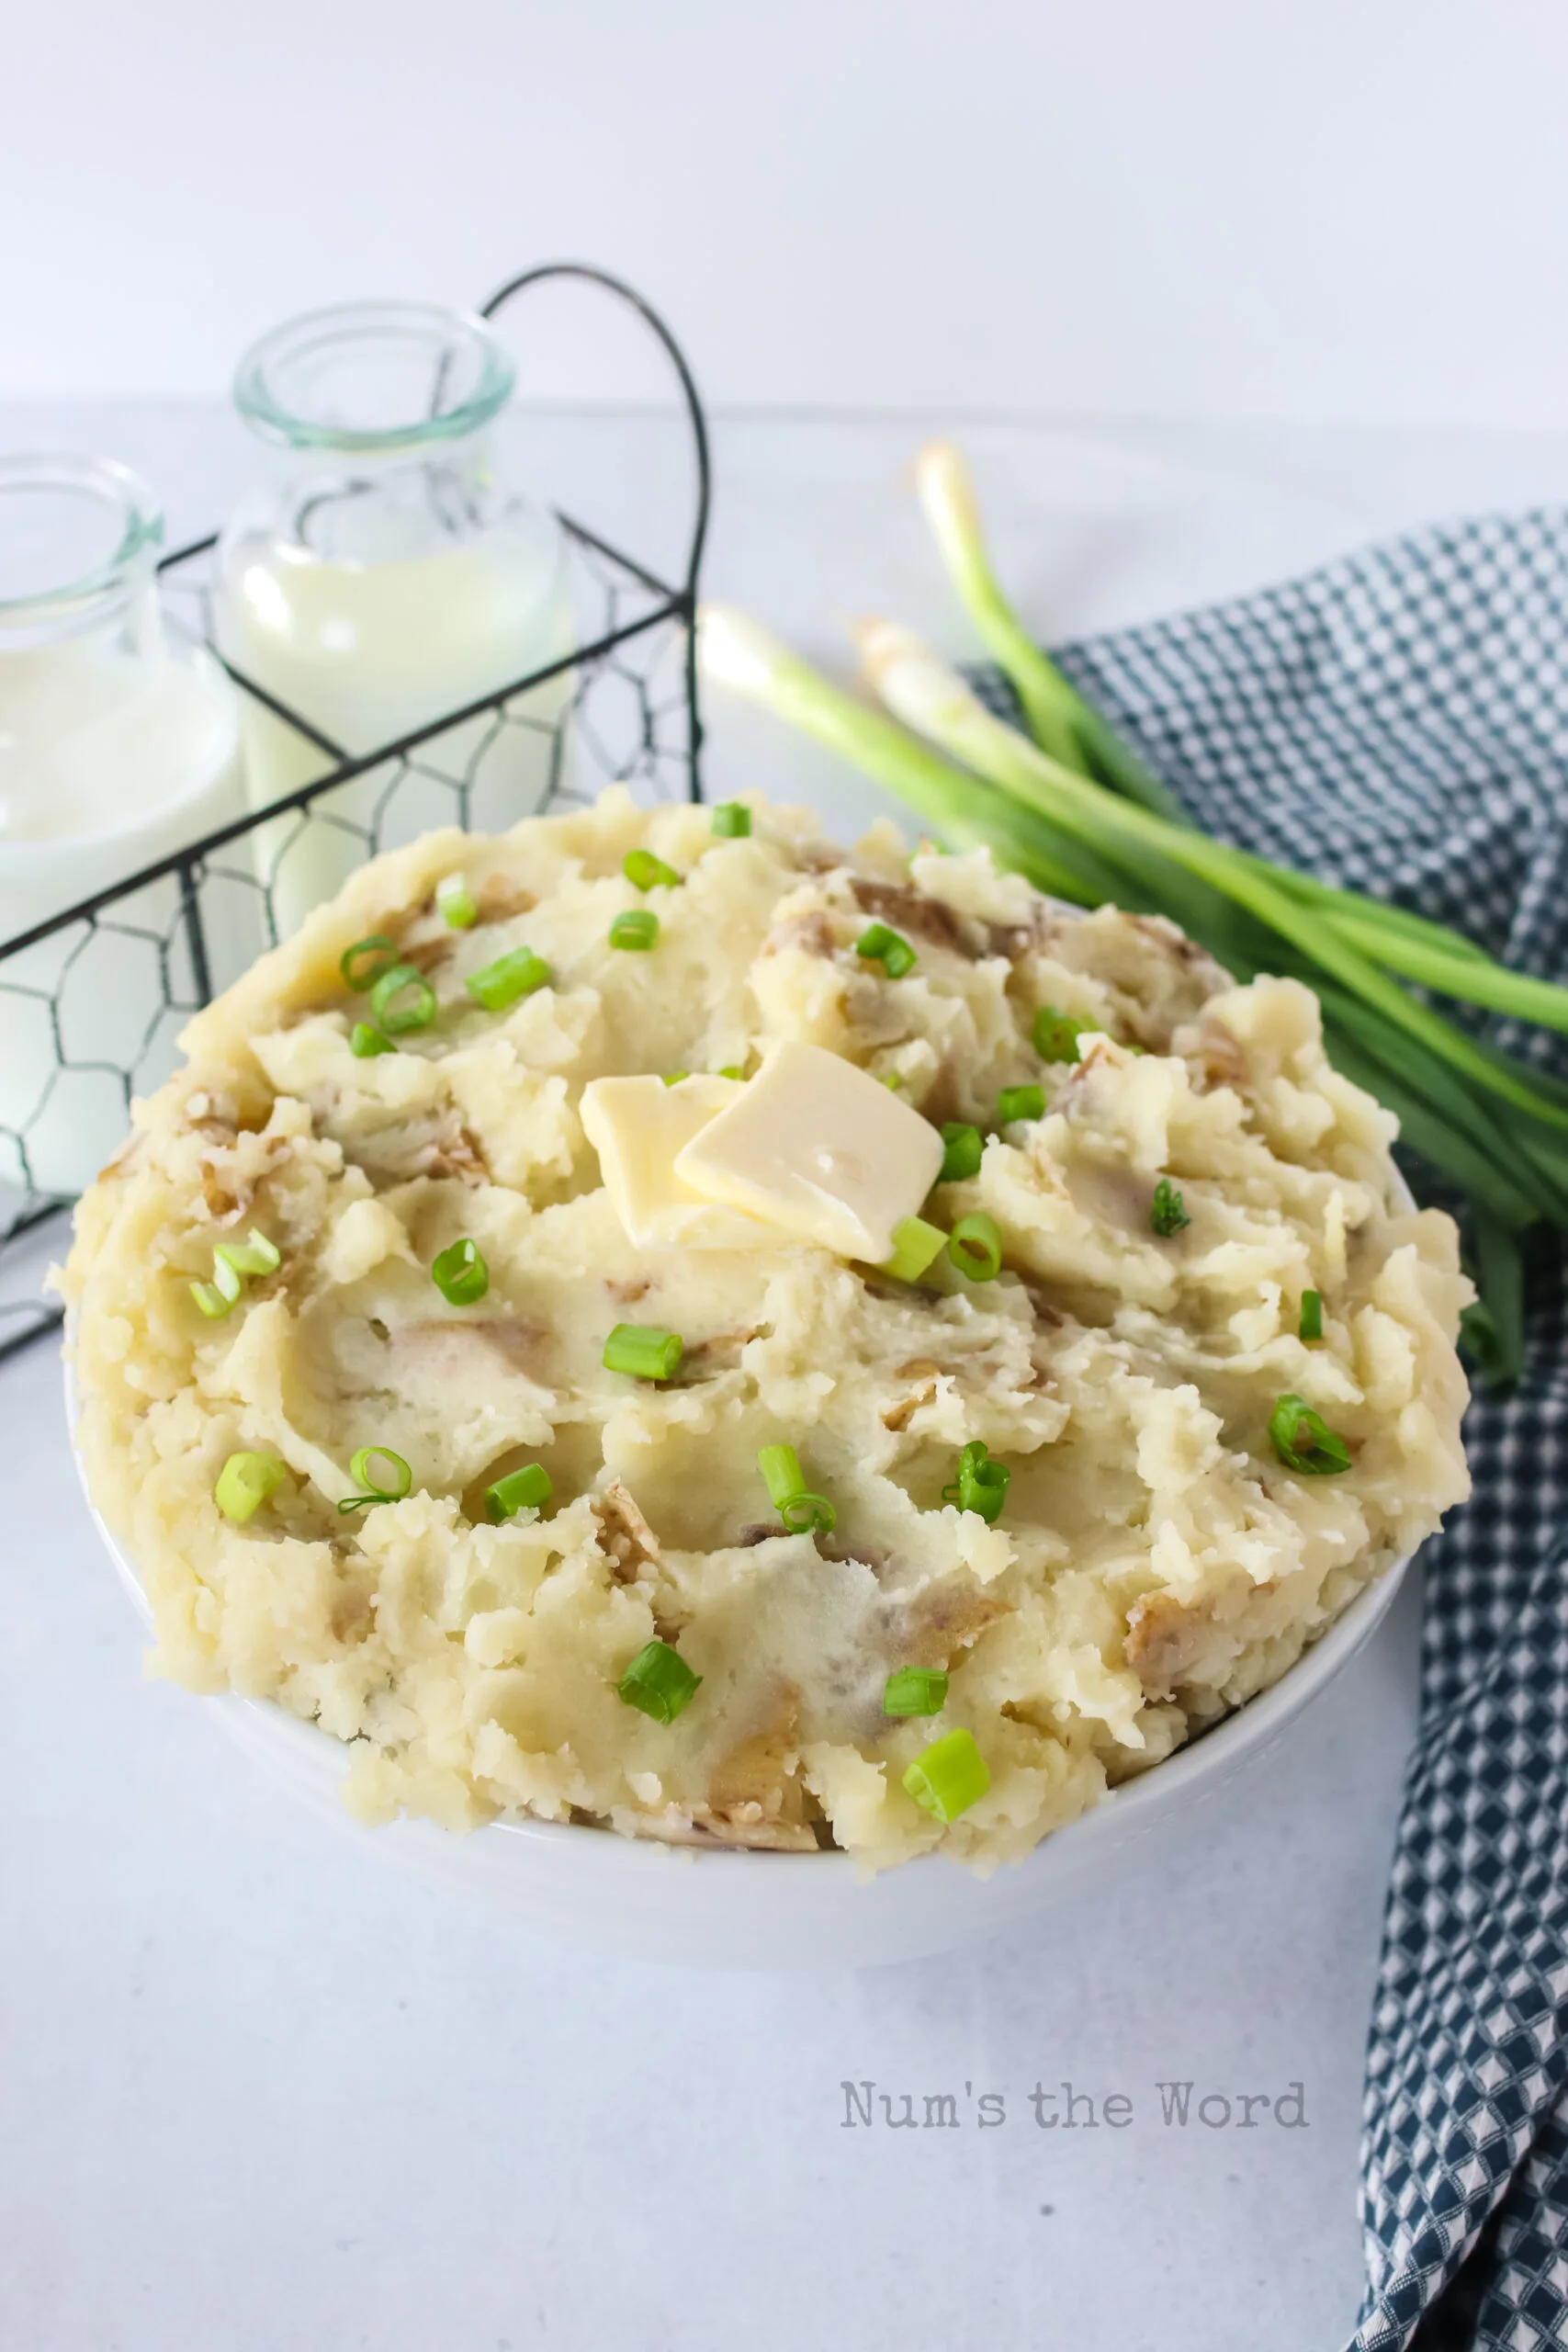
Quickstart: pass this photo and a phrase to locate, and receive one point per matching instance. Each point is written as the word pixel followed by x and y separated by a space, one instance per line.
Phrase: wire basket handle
pixel 590 276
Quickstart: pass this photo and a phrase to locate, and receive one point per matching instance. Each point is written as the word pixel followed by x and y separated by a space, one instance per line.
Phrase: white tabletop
pixel 263 2091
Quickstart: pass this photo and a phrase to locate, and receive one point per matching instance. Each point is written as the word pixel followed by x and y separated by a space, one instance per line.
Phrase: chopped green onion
pixel 1311 1315
pixel 1167 1211
pixel 246 1482
pixel 1303 1440
pixel 963 1149
pixel 1056 1034
pixel 734 1069
pixel 401 1000
pixel 643 1352
pixel 225 1274
pixel 639 928
pixel 455 900
pixel 782 1473
pixel 674 1078
pixel 891 1080
pixel 916 1690
pixel 981 1484
pixel 393 1484
pixel 256 1256
pixel 461 1273
pixel 732 819
pixel 949 1776
pixel 915 1245
pixel 363 963
pixel 878 944
pixel 806 1511
pixel 975 1245
pixel 529 1489
pixel 1019 1102
pixel 658 1683
pixel 216 1298
pixel 364 1040
pixel 799 1509
pixel 515 974
pixel 231 1262
pixel 645 872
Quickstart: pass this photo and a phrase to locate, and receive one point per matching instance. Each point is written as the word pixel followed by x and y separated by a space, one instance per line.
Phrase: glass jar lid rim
pixel 259 403
pixel 117 488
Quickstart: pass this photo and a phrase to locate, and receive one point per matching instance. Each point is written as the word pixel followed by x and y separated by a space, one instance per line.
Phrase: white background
pixel 1351 210
pixel 1284 276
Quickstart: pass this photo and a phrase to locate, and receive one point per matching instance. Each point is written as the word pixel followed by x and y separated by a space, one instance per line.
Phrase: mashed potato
pixel 1155 1561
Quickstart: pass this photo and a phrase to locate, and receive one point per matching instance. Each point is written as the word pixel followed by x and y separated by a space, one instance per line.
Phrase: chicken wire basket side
pixel 93 1001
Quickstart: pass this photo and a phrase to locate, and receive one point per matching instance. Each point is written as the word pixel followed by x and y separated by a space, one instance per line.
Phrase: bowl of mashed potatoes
pixel 679 1369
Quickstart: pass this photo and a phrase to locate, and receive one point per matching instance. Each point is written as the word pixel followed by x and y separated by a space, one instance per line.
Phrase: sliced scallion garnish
pixel 638 928
pixel 975 1245
pixel 1056 1034
pixel 800 1510
pixel 257 1255
pixel 456 903
pixel 1019 1102
pixel 1310 1327
pixel 388 1485
pixel 216 1298
pixel 529 1489
pixel 645 872
pixel 981 1484
pixel 1167 1210
pixel 949 1776
pixel 658 1683
pixel 402 1000
pixel 879 945
pixel 963 1149
pixel 245 1482
pixel 732 820
pixel 518 974
pixel 916 1245
pixel 643 1352
pixel 232 1262
pixel 366 1042
pixel 363 963
pixel 461 1273
pixel 1303 1440
pixel 916 1690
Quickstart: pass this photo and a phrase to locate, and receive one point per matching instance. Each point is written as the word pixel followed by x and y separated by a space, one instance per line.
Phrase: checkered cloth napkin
pixel 1399 721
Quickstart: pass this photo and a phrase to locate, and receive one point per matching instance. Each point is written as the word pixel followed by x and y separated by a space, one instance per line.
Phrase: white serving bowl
pixel 723 1909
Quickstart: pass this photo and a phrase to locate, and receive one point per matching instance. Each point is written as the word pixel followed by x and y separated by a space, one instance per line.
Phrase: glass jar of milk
pixel 119 745
pixel 387 575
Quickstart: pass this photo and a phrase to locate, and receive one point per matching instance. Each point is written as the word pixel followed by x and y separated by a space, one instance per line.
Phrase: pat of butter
pixel 817 1147
pixel 636 1125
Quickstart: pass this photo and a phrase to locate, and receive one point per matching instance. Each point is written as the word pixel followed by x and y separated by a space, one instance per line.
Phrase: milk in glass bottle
pixel 119 746
pixel 388 574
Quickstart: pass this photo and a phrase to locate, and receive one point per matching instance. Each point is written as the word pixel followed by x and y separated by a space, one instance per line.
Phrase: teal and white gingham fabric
pixel 1399 721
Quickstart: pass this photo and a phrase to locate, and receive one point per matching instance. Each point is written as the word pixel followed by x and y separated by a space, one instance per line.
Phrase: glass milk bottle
pixel 119 745
pixel 387 576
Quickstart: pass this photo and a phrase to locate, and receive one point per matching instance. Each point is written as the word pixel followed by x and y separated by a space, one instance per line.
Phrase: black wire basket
pixel 620 707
